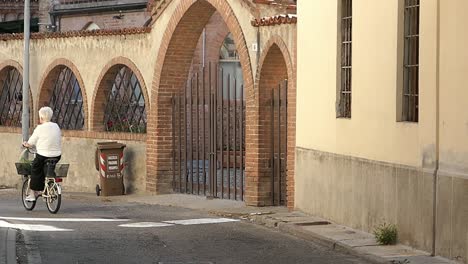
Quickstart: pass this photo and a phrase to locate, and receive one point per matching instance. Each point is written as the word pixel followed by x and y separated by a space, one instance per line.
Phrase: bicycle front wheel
pixel 53 198
pixel 24 193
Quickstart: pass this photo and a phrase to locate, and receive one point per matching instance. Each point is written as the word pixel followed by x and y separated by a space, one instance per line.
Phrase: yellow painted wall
pixel 453 87
pixel 379 187
pixel 373 131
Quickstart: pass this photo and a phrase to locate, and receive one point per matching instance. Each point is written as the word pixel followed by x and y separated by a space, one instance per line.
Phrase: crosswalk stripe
pixel 201 221
pixel 40 228
pixel 146 224
pixel 64 219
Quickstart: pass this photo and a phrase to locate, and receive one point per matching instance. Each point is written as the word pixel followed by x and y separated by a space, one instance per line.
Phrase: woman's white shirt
pixel 47 138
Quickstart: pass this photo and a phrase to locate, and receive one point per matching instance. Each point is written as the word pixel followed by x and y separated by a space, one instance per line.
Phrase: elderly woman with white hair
pixel 47 139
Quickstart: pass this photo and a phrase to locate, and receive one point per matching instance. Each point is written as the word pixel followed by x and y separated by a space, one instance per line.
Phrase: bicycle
pixel 52 193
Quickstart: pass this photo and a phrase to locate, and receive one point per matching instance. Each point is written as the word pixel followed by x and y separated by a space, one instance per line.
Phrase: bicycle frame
pixel 47 188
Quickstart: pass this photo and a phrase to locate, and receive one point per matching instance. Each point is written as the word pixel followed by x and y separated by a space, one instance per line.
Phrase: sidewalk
pixel 295 223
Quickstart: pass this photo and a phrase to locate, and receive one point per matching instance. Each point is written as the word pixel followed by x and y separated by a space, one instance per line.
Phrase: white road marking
pixel 64 219
pixel 201 221
pixel 40 228
pixel 146 224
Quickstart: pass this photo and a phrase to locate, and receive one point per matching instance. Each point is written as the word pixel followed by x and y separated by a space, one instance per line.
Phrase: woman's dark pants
pixel 37 172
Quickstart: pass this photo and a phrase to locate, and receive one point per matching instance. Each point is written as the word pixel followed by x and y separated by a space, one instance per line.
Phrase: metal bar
pixel 186 139
pixel 191 134
pixel 12 99
pixel 173 141
pixel 273 146
pixel 198 133
pixel 235 139
pixel 222 128
pixel 279 144
pixel 242 141
pixel 286 102
pixel 68 80
pixel 229 135
pixel 204 129
pixel 212 139
pixel 216 98
pixel 210 142
pixel 214 178
pixel 180 142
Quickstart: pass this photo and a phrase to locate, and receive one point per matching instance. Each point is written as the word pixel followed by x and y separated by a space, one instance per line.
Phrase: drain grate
pixel 316 223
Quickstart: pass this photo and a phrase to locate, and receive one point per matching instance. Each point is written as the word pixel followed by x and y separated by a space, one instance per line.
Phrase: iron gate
pixel 279 139
pixel 208 136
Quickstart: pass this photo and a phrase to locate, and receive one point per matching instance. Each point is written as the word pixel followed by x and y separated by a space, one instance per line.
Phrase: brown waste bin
pixel 109 163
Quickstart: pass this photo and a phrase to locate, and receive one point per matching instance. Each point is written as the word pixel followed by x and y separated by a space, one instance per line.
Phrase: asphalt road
pixel 109 232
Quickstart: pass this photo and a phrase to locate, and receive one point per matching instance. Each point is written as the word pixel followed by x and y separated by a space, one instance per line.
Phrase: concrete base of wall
pixel 79 153
pixel 363 194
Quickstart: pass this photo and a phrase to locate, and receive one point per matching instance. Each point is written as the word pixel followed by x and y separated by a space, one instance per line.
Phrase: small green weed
pixel 386 234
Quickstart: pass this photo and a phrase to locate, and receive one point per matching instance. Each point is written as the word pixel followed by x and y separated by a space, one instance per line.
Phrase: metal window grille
pixel 344 107
pixel 125 107
pixel 11 98
pixel 67 101
pixel 411 62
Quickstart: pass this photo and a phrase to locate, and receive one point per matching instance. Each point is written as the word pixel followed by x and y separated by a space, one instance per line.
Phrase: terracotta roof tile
pixel 80 33
pixel 274 20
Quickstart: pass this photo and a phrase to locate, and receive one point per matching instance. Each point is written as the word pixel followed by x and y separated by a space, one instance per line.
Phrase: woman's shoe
pixel 31 197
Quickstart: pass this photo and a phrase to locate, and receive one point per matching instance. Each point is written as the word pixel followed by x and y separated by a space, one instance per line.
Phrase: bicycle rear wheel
pixel 53 198
pixel 24 193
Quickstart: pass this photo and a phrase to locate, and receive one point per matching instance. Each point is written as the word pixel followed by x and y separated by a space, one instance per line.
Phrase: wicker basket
pixel 60 171
pixel 23 168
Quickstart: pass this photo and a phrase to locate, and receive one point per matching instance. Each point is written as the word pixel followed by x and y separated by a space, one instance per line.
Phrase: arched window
pixel 11 97
pixel 125 104
pixel 91 26
pixel 67 101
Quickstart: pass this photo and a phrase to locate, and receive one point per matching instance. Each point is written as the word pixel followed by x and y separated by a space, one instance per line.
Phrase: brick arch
pixel 275 65
pixel 172 66
pixel 105 79
pixel 46 86
pixel 14 64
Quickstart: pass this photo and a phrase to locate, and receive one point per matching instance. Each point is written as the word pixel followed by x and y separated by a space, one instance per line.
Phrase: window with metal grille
pixel 344 103
pixel 125 106
pixel 67 101
pixel 410 102
pixel 11 98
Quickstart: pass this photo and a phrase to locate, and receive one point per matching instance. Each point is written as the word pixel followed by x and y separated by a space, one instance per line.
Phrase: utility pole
pixel 27 34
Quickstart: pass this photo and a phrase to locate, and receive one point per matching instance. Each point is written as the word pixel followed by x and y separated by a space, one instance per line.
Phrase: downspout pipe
pixel 437 136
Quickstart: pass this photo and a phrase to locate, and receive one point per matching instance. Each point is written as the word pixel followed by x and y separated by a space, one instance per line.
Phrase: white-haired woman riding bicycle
pixel 47 139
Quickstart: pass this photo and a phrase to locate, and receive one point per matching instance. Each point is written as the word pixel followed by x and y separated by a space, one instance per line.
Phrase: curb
pixel 327 242
pixel 11 246
pixel 297 231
